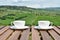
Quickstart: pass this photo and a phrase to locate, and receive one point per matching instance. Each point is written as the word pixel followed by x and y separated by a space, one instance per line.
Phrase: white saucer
pixel 37 27
pixel 13 27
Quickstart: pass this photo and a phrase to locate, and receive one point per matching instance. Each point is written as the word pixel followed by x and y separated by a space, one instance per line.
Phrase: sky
pixel 32 3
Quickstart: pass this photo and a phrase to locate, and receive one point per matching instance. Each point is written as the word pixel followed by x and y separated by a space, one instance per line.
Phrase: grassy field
pixel 31 16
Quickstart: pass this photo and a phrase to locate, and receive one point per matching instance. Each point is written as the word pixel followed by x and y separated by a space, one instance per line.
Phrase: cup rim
pixel 43 21
pixel 18 21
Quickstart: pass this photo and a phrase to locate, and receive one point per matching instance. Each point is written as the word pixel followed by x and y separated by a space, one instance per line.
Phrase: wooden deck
pixel 53 34
pixel 9 34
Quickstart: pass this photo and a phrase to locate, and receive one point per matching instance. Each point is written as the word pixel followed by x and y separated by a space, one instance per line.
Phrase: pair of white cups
pixel 41 24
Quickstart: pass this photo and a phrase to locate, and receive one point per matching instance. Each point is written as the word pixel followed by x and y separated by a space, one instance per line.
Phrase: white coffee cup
pixel 43 24
pixel 19 23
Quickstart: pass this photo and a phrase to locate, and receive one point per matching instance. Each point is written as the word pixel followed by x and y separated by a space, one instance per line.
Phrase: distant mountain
pixel 22 8
pixel 28 8
pixel 53 8
pixel 16 7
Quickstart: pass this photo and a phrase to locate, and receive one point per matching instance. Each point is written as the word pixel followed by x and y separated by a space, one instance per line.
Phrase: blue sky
pixel 32 3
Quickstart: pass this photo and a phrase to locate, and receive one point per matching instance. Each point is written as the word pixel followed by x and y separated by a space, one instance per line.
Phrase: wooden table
pixel 53 34
pixel 9 34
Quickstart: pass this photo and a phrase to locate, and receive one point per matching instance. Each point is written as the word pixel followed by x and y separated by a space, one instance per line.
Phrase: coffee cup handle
pixel 11 23
pixel 51 23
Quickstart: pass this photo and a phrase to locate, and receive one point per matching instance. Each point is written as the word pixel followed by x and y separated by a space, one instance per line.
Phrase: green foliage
pixel 30 15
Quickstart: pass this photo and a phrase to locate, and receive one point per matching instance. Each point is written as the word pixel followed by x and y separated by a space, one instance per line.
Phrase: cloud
pixel 34 6
pixel 26 0
pixel 32 3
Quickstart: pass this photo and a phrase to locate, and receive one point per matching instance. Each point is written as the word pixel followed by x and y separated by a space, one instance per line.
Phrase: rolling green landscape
pixel 9 14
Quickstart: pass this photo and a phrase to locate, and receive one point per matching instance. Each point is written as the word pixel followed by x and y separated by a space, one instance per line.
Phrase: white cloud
pixel 26 0
pixel 32 3
pixel 12 0
pixel 34 6
pixel 15 0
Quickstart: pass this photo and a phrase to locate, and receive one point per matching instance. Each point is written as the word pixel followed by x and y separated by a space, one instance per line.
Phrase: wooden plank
pixel 57 30
pixel 58 27
pixel 25 34
pixel 45 35
pixel 15 35
pixel 54 35
pixel 35 34
pixel 1 27
pixel 3 30
pixel 5 35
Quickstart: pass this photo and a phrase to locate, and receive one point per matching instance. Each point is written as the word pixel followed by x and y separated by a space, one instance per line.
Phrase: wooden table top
pixel 52 34
pixel 9 34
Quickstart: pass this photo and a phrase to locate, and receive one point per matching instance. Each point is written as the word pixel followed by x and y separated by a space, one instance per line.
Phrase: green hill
pixel 30 15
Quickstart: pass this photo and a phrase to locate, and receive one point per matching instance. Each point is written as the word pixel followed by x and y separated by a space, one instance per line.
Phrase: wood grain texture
pixel 35 34
pixel 25 34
